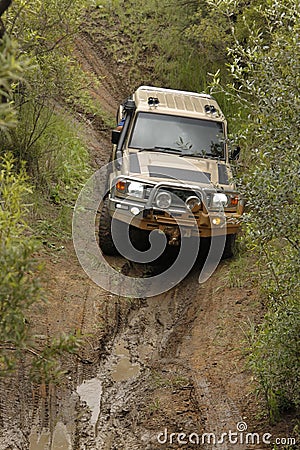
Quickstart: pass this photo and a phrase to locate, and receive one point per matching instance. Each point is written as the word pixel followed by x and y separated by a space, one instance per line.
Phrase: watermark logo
pixel 241 435
pixel 111 279
pixel 241 426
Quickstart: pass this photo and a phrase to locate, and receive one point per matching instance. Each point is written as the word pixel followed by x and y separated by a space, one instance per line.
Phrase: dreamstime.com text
pixel 239 436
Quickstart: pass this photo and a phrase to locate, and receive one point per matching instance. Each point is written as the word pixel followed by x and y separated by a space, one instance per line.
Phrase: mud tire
pixel 106 242
pixel 229 248
pixel 139 238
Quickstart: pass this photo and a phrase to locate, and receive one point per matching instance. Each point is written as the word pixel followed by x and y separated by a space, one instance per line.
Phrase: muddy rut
pixel 150 369
pixel 156 366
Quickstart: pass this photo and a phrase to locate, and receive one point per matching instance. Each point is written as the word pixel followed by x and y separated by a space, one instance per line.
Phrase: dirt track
pixel 168 364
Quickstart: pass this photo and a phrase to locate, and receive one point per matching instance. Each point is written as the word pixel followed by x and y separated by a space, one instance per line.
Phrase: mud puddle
pixel 124 369
pixel 60 439
pixel 90 392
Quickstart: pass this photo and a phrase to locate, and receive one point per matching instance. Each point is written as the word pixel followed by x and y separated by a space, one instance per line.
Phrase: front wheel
pixel 106 242
pixel 139 238
pixel 230 245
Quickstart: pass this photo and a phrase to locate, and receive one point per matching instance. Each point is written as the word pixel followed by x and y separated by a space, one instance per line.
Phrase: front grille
pixel 179 196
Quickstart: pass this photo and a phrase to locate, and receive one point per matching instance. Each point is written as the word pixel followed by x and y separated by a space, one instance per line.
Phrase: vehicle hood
pixel 158 167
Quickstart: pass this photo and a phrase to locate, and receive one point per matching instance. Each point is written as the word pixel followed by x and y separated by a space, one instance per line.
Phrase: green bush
pixel 45 31
pixel 275 357
pixel 11 71
pixel 57 160
pixel 19 286
pixel 265 71
pixel 19 282
pixel 43 90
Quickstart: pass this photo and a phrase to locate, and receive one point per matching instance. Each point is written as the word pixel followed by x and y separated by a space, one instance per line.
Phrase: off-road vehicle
pixel 170 170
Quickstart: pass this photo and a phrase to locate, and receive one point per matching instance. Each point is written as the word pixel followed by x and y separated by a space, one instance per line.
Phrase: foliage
pixel 33 75
pixel 19 281
pixel 38 130
pixel 11 71
pixel 18 285
pixel 265 85
pixel 56 159
pixel 275 357
pixel 45 32
pixel 48 141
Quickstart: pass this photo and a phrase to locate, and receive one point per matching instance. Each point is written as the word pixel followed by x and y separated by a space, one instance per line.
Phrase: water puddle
pixel 90 392
pixel 39 441
pixel 124 369
pixel 61 439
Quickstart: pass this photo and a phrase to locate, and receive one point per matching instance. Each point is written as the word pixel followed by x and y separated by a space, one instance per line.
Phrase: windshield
pixel 186 135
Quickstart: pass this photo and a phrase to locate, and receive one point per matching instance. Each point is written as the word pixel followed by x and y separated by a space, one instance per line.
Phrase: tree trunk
pixel 4 4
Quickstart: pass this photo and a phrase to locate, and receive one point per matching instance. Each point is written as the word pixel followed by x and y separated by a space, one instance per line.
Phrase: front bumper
pixel 204 222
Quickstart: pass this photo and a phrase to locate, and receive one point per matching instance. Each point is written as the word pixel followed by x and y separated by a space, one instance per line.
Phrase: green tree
pixel 45 31
pixel 265 86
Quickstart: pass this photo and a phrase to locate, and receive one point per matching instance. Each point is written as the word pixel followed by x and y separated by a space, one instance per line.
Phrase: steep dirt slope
pixel 149 367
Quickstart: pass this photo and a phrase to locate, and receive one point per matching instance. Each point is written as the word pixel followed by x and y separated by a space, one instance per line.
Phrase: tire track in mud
pixel 140 350
pixel 157 366
pixel 42 416
pixel 148 356
pixel 108 92
pixel 223 386
pixel 173 365
pixel 47 406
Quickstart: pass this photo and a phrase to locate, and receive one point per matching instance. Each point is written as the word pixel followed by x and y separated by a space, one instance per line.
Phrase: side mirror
pixel 235 154
pixel 115 136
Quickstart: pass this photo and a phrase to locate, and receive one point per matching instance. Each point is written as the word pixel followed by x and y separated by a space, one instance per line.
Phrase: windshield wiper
pixel 202 155
pixel 161 149
pixel 196 155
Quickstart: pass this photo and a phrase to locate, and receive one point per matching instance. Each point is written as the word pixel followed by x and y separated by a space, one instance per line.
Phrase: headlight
pixel 163 200
pixel 219 200
pixel 193 203
pixel 135 189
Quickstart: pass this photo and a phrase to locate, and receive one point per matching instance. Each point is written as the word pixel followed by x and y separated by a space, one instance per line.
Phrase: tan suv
pixel 170 171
